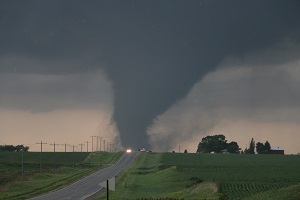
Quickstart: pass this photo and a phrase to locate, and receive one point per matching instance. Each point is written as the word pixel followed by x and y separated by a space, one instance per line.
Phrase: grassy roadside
pixel 37 183
pixel 148 178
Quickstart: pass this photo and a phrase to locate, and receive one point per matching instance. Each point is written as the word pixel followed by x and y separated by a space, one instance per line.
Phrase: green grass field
pixel 57 169
pixel 210 176
pixel 158 175
pixel 149 178
pixel 240 176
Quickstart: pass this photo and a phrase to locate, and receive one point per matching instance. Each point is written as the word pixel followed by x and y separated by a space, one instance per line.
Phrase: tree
pixel 214 143
pixel 13 148
pixel 233 147
pixel 7 148
pixel 267 147
pixel 217 143
pixel 21 148
pixel 263 148
pixel 185 151
pixel 260 148
pixel 252 146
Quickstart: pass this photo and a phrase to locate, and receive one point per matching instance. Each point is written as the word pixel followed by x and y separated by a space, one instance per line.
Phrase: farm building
pixel 277 150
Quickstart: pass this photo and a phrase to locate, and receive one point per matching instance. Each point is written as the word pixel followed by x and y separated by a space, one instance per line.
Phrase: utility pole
pixel 54 152
pixel 22 161
pixel 97 143
pixel 81 146
pixel 87 146
pixel 22 149
pixel 81 149
pixel 41 153
pixel 54 146
pixel 66 146
pixel 41 145
pixel 100 142
pixel 93 142
pixel 107 190
pixel 104 145
pixel 74 157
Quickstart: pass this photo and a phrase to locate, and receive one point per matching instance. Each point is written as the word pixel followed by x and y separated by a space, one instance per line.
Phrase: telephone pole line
pixel 22 149
pixel 54 144
pixel 54 152
pixel 93 142
pixel 66 146
pixel 97 143
pixel 41 145
pixel 87 146
pixel 100 142
pixel 41 153
pixel 104 145
pixel 74 156
pixel 81 146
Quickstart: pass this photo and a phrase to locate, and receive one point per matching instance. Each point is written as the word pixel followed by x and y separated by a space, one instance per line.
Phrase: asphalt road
pixel 89 185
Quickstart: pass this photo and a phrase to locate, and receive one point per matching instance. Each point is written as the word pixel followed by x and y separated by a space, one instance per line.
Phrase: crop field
pixel 55 167
pixel 194 176
pixel 65 158
pixel 240 176
pixel 34 162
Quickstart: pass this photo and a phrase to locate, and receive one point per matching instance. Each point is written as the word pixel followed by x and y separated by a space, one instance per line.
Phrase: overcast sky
pixel 151 74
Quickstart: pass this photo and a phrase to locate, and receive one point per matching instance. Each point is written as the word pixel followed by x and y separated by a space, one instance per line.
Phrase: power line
pixel 87 146
pixel 104 145
pixel 41 154
pixel 81 146
pixel 22 149
pixel 100 142
pixel 54 144
pixel 41 145
pixel 66 146
pixel 74 156
pixel 97 142
pixel 93 142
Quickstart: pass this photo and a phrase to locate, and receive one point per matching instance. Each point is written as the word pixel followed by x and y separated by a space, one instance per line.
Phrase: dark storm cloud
pixel 153 51
pixel 180 45
pixel 47 92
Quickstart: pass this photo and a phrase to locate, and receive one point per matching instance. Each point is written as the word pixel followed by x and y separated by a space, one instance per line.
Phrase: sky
pixel 152 74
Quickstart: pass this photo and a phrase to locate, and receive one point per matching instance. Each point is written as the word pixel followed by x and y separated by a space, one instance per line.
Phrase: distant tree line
pixel 260 148
pixel 217 144
pixel 12 148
